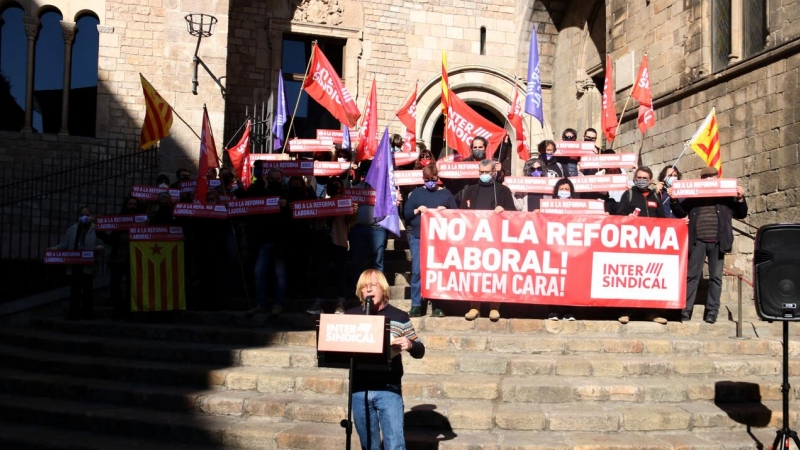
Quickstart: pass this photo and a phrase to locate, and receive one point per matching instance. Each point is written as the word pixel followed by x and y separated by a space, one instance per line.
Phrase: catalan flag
pixel 158 117
pixel 157 277
pixel 705 142
pixel 445 85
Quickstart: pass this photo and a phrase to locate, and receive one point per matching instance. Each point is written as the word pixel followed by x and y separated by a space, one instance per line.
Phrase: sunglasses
pixel 590 138
pixel 569 138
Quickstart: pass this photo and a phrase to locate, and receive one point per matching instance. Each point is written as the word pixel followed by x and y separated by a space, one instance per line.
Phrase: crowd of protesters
pixel 312 264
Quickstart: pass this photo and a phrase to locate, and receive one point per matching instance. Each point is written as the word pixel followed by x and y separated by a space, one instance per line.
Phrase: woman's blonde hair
pixel 366 278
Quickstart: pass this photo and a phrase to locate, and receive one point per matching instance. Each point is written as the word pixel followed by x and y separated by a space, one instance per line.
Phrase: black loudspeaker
pixel 776 268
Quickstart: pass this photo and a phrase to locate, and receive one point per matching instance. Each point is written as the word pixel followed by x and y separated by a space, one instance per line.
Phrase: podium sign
pixel 351 333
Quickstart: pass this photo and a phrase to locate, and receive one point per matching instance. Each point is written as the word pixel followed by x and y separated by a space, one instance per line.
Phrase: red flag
pixel 208 158
pixel 368 132
pixel 463 124
pixel 324 85
pixel 408 116
pixel 239 155
pixel 515 119
pixel 608 119
pixel 641 92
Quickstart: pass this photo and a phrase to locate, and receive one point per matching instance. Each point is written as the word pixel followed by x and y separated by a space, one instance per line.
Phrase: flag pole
pixel 620 118
pixel 186 123
pixel 299 94
pixel 236 133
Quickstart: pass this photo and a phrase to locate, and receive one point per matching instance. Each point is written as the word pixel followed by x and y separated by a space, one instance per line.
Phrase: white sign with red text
pixel 408 178
pixel 579 260
pixel 335 136
pixel 571 206
pixel 710 187
pixel 403 158
pixel 322 208
pixel 531 185
pixel 330 168
pixel 151 192
pixel 310 145
pixel 615 161
pixel 574 148
pixel 361 195
pixel 200 210
pixel 291 168
pixel 462 169
pixel 599 183
pixel 351 333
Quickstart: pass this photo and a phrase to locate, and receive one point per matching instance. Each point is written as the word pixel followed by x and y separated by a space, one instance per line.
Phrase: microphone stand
pixel 347 423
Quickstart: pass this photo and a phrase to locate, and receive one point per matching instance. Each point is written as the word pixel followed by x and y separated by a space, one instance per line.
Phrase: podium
pixel 354 342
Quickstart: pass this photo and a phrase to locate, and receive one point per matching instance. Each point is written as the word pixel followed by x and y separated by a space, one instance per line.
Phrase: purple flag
pixel 280 115
pixel 533 90
pixel 346 138
pixel 381 178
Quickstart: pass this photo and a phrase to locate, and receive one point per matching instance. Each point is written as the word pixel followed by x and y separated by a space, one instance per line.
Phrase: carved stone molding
pixel 31 27
pixel 324 12
pixel 68 31
pixel 584 85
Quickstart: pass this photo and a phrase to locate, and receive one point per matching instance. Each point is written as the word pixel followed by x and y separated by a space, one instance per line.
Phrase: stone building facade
pixel 751 77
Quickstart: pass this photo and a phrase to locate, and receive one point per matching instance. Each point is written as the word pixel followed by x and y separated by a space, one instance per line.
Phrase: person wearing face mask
pixel 163 213
pixel 563 190
pixel 266 235
pixel 550 166
pixel 487 194
pixel 666 177
pixel 641 196
pixel 81 236
pixel 569 163
pixel 423 198
pixel 478 147
pixel 530 201
pixel 710 236
pixel 162 181
pixel 641 201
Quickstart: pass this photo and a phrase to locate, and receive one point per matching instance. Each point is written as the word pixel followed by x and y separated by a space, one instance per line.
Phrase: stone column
pixel 737 31
pixel 31 31
pixel 68 32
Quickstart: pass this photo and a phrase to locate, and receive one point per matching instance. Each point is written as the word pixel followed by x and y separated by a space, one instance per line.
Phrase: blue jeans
pixel 416 288
pixel 379 411
pixel 267 256
pixel 716 260
pixel 367 246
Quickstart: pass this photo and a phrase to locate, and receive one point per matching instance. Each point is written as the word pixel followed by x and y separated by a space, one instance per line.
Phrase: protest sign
pixel 599 183
pixel 403 158
pixel 200 210
pixel 120 222
pixel 362 196
pixel 463 169
pixel 710 187
pixel 408 177
pixel 291 168
pixel 583 260
pixel 151 192
pixel 322 208
pixel 309 145
pixel 531 185
pixel 330 168
pixel 156 233
pixel 252 206
pixel 615 161
pixel 79 257
pixel 574 148
pixel 571 206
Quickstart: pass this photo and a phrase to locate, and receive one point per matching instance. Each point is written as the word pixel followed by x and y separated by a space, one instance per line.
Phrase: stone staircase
pixel 224 380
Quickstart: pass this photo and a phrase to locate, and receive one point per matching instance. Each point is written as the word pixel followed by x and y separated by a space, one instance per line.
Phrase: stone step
pixel 436 362
pixel 135 427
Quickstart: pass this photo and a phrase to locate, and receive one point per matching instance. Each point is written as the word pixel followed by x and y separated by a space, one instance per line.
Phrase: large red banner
pixel 579 260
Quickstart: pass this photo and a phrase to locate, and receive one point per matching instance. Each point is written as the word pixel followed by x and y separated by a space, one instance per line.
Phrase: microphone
pixel 368 305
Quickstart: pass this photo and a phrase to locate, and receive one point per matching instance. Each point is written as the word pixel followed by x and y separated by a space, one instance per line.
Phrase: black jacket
pixel 634 198
pixel 503 197
pixel 727 209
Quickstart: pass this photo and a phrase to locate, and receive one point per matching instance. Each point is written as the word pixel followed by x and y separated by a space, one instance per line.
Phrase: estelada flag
pixel 515 119
pixel 445 86
pixel 705 142
pixel 208 158
pixel 408 116
pixel 239 155
pixel 324 85
pixel 641 92
pixel 157 276
pixel 464 123
pixel 157 118
pixel 608 120
pixel 367 133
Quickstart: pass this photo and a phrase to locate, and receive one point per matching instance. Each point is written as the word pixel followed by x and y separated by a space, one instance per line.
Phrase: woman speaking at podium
pixel 377 395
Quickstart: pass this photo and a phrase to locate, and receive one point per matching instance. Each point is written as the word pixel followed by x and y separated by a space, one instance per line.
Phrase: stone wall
pixel 755 101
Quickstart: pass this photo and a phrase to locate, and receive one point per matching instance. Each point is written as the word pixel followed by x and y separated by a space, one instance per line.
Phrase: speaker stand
pixel 784 434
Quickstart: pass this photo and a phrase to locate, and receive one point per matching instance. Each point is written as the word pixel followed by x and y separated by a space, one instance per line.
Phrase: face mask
pixel 548 156
pixel 479 154
pixel 424 162
pixel 163 185
pixel 485 177
pixel 669 180
pixel 536 173
pixel 84 219
pixel 563 194
pixel 430 185
pixel 641 184
pixel 274 185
